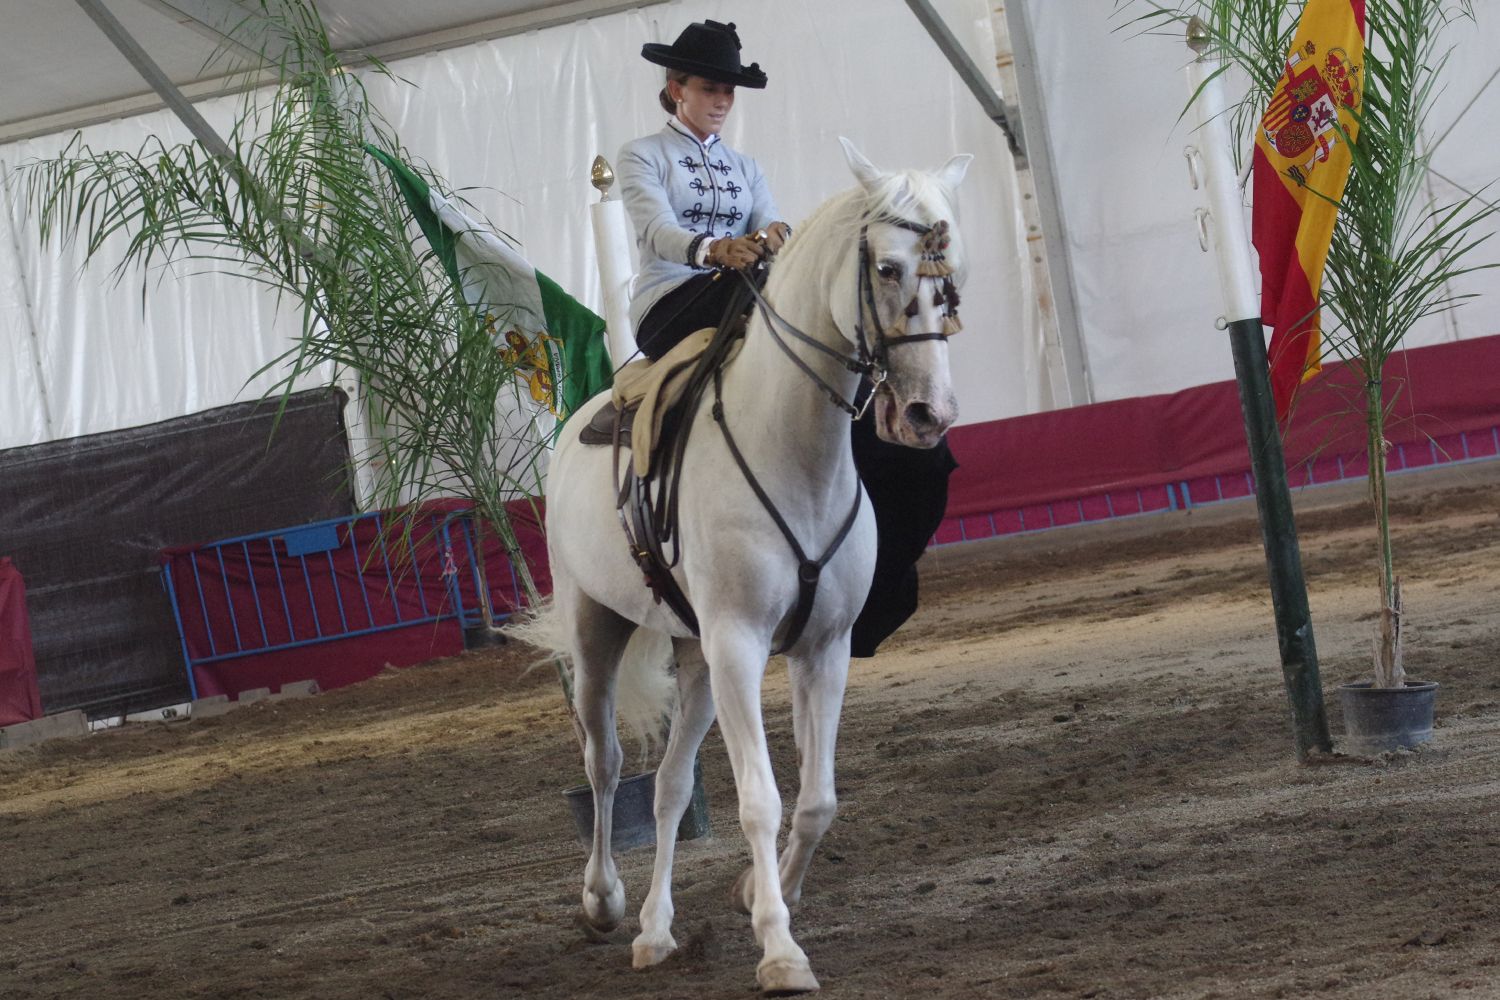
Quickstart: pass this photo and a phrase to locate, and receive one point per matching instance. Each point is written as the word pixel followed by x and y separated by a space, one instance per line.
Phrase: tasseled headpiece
pixel 933 263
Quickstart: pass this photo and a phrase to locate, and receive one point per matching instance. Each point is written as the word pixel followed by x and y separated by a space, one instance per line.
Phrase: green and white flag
pixel 555 342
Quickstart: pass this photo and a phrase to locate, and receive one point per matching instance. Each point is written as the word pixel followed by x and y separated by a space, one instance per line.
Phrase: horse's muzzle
pixel 915 423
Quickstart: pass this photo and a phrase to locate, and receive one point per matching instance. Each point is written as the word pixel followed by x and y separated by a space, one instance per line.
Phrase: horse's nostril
pixel 920 416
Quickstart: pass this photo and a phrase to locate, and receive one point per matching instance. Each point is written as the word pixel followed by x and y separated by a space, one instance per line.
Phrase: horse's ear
pixel 864 171
pixel 952 172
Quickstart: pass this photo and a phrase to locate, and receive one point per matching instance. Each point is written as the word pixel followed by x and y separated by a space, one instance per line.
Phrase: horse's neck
pixel 779 415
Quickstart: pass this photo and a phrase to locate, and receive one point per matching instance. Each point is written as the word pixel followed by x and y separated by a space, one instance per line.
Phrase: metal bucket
pixel 634 813
pixel 1380 719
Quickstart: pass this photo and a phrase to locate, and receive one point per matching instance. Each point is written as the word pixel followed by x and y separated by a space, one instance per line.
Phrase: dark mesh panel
pixel 84 519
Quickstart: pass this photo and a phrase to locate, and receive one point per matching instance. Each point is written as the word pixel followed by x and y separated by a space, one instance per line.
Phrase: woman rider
pixel 697 207
pixel 694 202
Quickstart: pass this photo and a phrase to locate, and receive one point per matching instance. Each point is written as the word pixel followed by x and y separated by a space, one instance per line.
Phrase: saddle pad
pixel 653 387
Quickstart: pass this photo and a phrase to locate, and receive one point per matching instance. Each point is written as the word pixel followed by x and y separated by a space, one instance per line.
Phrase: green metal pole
pixel 1224 219
pixel 1278 532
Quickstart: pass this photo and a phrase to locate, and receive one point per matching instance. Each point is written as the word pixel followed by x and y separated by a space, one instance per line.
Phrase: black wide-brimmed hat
pixel 710 50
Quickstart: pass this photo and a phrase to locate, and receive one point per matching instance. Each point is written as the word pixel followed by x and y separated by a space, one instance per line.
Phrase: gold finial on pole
pixel 602 176
pixel 1198 35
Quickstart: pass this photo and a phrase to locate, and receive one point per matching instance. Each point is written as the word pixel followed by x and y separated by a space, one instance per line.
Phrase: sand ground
pixel 1070 776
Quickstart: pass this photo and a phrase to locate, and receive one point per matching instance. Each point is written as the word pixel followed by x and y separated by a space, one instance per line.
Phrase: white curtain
pixel 1147 296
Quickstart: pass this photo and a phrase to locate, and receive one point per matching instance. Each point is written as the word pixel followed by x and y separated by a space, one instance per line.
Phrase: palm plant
pixel 1394 254
pixel 296 204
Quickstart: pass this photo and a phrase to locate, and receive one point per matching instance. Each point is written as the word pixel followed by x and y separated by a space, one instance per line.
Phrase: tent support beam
pixel 1008 118
pixel 199 16
pixel 153 75
pixel 1066 378
pixel 1073 384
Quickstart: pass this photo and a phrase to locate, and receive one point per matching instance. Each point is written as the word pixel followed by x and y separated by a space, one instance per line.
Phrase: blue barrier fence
pixel 281 590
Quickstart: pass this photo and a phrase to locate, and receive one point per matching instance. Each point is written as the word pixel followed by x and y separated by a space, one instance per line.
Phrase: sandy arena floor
pixel 1070 776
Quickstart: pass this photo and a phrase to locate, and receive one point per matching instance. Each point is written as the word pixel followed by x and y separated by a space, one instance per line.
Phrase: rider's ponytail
pixel 669 105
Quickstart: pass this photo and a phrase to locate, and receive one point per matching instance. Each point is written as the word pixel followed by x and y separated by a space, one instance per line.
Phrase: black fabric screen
pixel 83 519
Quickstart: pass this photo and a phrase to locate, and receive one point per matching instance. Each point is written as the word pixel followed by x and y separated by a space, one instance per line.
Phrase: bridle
pixel 872 359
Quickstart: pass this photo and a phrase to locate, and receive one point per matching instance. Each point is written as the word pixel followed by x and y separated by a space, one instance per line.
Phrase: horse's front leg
pixel 674 790
pixel 737 664
pixel 817 681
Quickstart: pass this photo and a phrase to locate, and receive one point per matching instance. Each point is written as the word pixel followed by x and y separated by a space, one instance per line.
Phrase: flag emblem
pixel 1300 121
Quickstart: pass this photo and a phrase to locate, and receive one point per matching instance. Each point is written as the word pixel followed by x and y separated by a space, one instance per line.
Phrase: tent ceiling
pixel 58 71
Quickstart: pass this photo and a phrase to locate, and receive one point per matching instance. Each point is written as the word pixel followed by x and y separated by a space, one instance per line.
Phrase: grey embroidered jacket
pixel 675 188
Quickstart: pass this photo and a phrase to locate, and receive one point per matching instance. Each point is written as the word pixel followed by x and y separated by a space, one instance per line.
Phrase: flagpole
pixel 612 246
pixel 1294 632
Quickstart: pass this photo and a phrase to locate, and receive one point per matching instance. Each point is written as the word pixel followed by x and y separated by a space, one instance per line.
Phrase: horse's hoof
pixel 742 896
pixel 603 913
pixel 783 978
pixel 645 954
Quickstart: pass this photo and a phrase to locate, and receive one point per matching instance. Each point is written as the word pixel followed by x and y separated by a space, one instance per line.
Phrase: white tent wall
pixel 518 121
pixel 523 117
pixel 1147 296
pixel 127 352
pixel 23 409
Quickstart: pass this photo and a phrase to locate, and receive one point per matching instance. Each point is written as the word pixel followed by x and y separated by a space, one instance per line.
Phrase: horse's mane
pixel 911 195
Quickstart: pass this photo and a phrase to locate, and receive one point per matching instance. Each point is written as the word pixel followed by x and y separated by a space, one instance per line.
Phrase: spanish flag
pixel 1300 168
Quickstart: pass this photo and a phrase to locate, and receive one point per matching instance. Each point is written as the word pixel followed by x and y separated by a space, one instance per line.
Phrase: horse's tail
pixel 645 690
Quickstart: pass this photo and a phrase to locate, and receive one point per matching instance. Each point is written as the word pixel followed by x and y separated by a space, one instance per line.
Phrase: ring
pixel 760 236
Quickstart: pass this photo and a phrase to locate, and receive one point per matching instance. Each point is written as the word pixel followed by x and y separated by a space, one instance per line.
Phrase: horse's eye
pixel 889 272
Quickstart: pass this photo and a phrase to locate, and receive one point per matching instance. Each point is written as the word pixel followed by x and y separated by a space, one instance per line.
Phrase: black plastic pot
pixel 634 814
pixel 1381 719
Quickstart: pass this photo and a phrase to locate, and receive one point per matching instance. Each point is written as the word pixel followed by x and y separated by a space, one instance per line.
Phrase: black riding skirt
pixel 908 487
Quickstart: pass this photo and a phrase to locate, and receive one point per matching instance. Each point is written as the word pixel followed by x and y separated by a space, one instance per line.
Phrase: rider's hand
pixel 777 233
pixel 735 251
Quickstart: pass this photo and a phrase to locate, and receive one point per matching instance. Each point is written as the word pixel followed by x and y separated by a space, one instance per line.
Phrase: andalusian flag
pixel 556 344
pixel 1301 164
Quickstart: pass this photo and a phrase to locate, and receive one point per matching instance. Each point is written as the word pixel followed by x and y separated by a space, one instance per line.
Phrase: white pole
pixel 612 247
pixel 1225 220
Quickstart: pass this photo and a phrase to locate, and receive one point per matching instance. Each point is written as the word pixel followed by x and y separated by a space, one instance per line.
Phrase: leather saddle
pixel 649 414
pixel 601 430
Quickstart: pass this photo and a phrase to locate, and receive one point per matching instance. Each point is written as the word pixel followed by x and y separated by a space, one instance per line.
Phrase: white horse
pixel 849 281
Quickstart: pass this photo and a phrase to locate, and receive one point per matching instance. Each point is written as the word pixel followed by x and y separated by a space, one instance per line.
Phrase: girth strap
pixel 809 571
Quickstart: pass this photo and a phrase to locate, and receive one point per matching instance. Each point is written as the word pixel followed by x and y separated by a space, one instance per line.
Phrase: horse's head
pixel 910 264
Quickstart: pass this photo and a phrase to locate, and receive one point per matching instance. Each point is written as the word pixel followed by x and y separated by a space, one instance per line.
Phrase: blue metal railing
pixel 392 589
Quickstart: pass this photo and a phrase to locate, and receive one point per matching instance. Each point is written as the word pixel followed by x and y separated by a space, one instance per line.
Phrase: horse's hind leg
pixel 817 683
pixel 674 790
pixel 737 663
pixel 597 637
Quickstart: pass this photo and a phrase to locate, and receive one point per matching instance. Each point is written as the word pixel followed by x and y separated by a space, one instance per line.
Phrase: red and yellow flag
pixel 1301 166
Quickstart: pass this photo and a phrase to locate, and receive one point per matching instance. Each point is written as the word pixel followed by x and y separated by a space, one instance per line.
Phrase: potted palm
pixel 1392 261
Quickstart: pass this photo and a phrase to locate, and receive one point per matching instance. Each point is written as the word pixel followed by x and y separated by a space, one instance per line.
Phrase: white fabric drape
pixel 519 120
